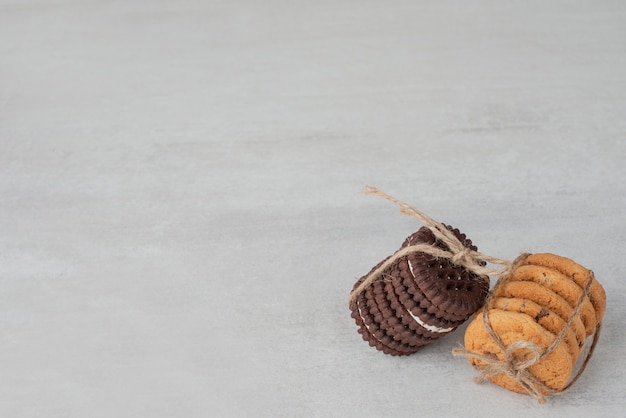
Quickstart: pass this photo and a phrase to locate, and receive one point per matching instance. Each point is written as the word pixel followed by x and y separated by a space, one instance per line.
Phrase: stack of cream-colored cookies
pixel 534 303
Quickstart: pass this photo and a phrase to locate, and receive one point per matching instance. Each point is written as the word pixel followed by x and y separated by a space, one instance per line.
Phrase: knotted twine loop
pixel 457 253
pixel 517 369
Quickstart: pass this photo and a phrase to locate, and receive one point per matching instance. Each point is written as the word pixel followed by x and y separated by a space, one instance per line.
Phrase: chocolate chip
pixel 542 313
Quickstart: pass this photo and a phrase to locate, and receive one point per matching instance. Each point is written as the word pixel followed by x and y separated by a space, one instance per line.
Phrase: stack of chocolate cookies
pixel 417 299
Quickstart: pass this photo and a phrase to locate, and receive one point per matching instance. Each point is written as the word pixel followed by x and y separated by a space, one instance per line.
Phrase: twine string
pixel 517 369
pixel 457 253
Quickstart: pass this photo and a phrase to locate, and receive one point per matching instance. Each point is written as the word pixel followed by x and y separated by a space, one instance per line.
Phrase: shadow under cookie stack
pixel 527 338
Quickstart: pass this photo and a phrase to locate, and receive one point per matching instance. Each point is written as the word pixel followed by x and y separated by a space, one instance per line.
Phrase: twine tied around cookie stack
pixel 425 290
pixel 521 365
pixel 517 369
pixel 458 254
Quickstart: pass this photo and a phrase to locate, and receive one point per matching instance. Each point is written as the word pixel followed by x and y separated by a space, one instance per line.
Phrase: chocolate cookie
pixel 418 298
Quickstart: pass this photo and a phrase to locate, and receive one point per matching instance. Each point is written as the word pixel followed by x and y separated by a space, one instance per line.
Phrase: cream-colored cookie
pixel 579 274
pixel 542 296
pixel 562 286
pixel 543 316
pixel 553 371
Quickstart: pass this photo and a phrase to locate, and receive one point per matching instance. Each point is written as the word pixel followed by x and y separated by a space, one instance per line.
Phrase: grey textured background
pixel 180 216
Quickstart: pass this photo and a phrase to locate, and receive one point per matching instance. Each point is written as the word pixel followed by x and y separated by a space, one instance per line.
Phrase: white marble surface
pixel 180 217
